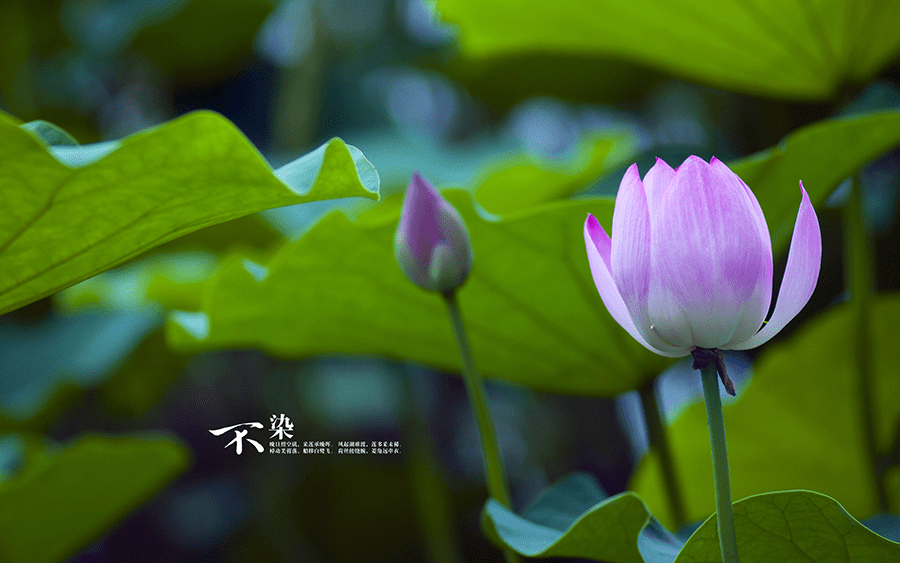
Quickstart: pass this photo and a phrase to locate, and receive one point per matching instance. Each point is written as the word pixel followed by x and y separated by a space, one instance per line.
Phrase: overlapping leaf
pixel 798 425
pixel 791 49
pixel 525 273
pixel 792 526
pixel 531 310
pixel 105 335
pixel 85 347
pixel 520 184
pixel 71 212
pixel 62 502
pixel 575 518
pixel 821 155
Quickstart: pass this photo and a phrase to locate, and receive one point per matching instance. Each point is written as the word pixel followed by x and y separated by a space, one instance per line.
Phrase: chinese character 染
pixel 281 426
pixel 239 436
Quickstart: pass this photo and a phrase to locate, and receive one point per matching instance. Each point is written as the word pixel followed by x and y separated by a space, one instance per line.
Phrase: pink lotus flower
pixel 690 263
pixel 432 244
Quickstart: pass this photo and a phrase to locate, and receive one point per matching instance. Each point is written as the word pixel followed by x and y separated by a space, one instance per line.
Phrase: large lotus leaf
pixel 798 425
pixel 170 279
pixel 63 501
pixel 786 48
pixel 576 518
pixel 71 212
pixel 531 310
pixel 792 527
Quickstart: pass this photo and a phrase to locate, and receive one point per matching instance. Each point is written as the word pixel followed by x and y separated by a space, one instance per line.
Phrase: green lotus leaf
pixel 576 518
pixel 846 144
pixel 532 313
pixel 520 184
pixel 63 501
pixel 791 49
pixel 789 527
pixel 71 212
pixel 797 425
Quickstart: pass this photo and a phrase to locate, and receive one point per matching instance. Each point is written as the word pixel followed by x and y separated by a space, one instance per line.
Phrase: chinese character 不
pixel 281 425
pixel 239 436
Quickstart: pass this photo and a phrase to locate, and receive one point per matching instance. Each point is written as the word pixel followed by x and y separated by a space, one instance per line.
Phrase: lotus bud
pixel 432 245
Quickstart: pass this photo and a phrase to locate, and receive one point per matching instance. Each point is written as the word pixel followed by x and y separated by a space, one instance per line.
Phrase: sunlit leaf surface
pixel 791 49
pixel 792 526
pixel 532 312
pixel 70 212
pixel 797 424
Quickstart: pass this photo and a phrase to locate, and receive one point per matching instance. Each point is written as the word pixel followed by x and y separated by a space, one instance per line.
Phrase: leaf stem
pixel 493 463
pixel 656 432
pixel 858 279
pixel 721 477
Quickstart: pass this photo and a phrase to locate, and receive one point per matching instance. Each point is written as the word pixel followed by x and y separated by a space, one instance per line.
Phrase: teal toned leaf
pixel 50 134
pixel 170 279
pixel 105 335
pixel 62 502
pixel 887 525
pixel 86 348
pixel 797 425
pixel 575 518
pixel 792 526
pixel 791 49
pixel 532 312
pixel 71 212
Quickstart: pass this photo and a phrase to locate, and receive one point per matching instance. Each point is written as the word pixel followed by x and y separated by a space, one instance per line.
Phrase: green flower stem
pixel 721 478
pixel 859 279
pixel 656 433
pixel 493 464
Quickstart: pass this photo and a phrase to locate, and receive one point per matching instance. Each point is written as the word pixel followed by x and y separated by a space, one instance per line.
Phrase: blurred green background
pixel 518 106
